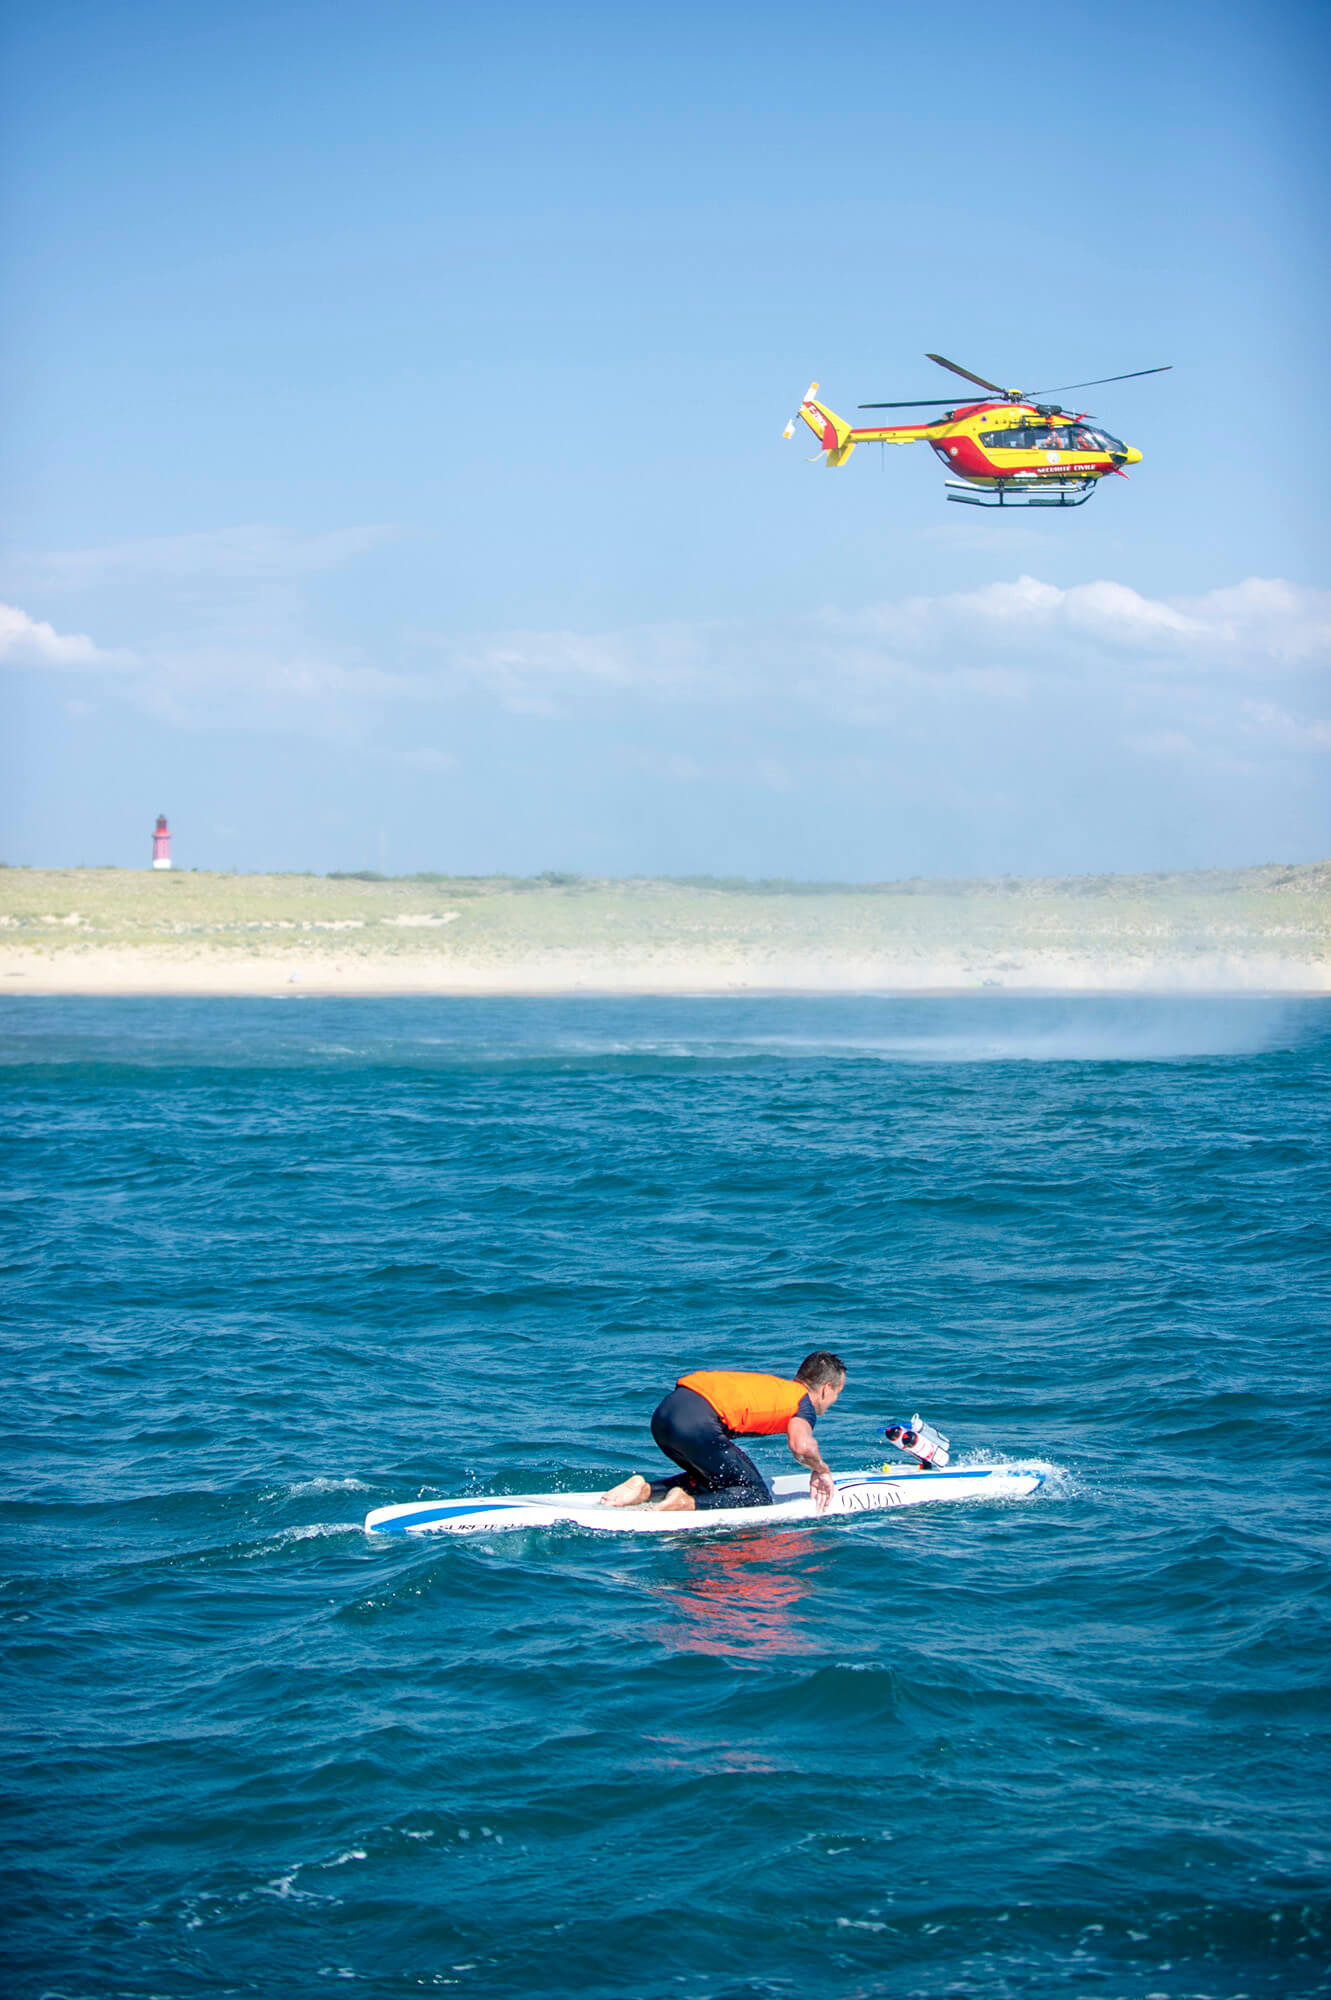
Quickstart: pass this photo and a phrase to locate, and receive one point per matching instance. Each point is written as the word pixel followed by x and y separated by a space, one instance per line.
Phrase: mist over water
pixel 306 1030
pixel 276 1262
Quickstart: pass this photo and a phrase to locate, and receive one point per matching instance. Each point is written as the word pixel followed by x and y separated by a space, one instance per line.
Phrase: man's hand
pixel 799 1436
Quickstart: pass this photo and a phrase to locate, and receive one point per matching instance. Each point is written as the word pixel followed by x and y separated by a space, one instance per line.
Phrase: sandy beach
pixel 112 931
pixel 214 974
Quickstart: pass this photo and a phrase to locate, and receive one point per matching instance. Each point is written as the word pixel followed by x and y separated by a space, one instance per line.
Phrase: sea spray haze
pixel 275 1262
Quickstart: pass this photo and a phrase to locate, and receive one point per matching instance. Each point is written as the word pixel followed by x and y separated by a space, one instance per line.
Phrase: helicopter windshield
pixel 1073 437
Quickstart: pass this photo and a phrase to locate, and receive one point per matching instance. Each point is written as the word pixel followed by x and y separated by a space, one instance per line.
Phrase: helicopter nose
pixel 1133 456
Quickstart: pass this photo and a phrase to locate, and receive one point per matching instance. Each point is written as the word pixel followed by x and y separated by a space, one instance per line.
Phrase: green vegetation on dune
pixel 1274 911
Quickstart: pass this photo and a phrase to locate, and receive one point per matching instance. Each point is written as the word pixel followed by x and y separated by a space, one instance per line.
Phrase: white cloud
pixel 1258 620
pixel 247 685
pixel 676 658
pixel 1025 599
pixel 1114 610
pixel 1289 624
pixel 1020 677
pixel 1299 731
pixel 29 642
pixel 240 685
pixel 995 644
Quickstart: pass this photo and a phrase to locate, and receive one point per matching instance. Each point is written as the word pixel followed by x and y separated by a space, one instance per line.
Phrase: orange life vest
pixel 748 1405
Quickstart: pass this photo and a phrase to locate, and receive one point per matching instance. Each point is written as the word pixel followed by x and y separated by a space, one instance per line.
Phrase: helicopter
pixel 1010 450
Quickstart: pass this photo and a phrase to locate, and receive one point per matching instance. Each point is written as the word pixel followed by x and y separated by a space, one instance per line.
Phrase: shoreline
pixel 128 973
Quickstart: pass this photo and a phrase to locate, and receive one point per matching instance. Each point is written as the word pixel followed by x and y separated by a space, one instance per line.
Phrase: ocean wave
pixel 1070 1744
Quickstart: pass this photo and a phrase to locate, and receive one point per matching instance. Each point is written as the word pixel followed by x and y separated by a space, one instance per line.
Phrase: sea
pixel 272 1263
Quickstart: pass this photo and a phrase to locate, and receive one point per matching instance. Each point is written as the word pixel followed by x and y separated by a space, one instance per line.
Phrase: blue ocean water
pixel 273 1263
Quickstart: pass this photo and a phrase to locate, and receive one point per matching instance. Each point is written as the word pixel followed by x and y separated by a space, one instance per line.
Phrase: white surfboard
pixel 856 1493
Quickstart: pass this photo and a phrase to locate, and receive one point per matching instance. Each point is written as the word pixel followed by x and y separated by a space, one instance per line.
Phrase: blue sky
pixel 396 477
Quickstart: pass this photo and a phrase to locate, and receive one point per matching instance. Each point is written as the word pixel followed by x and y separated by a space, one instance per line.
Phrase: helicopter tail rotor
pixel 832 432
pixel 789 431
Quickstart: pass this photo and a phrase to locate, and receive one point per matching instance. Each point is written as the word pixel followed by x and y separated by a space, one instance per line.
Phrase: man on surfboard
pixel 697 1423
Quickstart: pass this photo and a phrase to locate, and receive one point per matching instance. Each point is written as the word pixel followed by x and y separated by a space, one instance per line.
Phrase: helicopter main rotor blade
pixel 1101 379
pixel 943 362
pixel 936 403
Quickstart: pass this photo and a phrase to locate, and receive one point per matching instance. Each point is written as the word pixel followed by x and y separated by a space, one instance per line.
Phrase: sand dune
pixel 122 931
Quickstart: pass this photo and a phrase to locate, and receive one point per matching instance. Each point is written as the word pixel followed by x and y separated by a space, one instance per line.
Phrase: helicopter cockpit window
pixel 1074 437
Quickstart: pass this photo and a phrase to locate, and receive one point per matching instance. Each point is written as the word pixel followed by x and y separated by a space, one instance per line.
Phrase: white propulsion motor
pixel 919 1441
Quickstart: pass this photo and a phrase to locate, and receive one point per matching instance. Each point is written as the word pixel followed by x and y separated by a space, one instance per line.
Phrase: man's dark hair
pixel 816 1369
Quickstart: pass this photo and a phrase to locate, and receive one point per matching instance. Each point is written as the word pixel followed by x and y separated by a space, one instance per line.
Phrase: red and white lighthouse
pixel 161 843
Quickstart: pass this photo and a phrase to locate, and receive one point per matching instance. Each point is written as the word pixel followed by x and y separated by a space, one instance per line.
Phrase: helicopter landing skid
pixel 1048 493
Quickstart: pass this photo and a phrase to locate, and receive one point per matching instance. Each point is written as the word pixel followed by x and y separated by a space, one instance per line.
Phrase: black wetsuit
pixel 717 1472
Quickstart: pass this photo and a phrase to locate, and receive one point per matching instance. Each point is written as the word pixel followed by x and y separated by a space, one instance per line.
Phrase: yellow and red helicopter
pixel 1009 451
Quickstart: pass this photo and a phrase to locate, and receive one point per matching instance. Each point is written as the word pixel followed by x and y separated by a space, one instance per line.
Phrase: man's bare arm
pixel 800 1438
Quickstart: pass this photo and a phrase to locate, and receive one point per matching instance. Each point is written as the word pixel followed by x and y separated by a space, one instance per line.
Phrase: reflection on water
pixel 740 1597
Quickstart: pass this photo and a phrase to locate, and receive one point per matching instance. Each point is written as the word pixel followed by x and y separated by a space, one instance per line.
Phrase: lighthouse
pixel 161 843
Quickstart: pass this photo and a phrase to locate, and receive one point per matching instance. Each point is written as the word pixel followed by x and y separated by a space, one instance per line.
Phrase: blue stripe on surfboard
pixel 443 1512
